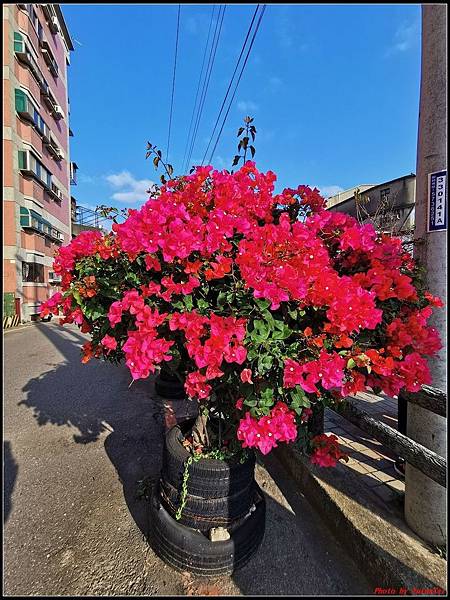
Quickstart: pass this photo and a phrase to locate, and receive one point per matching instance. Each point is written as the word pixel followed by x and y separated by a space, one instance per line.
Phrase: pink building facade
pixel 37 167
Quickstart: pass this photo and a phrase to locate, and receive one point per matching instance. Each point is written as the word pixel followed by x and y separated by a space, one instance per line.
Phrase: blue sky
pixel 333 89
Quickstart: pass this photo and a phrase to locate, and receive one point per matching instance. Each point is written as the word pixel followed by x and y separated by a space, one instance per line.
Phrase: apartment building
pixel 37 168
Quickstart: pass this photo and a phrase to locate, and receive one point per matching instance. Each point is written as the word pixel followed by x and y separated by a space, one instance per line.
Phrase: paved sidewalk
pixel 368 458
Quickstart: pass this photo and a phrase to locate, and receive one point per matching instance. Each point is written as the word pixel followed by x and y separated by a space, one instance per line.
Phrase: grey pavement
pixel 77 439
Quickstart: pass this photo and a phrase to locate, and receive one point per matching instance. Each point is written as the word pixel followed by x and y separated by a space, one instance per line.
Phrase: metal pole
pixel 425 500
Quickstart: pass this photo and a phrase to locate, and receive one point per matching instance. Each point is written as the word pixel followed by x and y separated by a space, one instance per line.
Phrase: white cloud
pixel 130 189
pixel 247 105
pixel 329 190
pixel 406 36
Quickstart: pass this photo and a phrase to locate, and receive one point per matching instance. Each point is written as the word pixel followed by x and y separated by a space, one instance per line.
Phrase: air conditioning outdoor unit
pixel 59 154
pixel 54 24
pixel 58 112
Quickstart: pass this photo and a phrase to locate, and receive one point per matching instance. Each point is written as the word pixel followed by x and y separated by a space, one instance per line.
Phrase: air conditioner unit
pixel 58 112
pixel 54 278
pixel 54 24
pixel 44 88
pixel 59 154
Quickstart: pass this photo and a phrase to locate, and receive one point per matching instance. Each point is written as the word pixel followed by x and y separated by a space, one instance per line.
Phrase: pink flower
pixel 115 313
pixel 109 342
pixel 246 376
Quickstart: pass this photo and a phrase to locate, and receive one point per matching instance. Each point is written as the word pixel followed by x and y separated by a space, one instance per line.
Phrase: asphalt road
pixel 77 439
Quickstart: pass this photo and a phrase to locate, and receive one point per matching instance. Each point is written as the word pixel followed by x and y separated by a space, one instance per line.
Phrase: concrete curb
pixel 391 556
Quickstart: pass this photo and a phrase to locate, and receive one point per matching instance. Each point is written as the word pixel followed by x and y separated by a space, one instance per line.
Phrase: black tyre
pixel 208 478
pixel 172 390
pixel 316 420
pixel 169 376
pixel 185 549
pixel 205 513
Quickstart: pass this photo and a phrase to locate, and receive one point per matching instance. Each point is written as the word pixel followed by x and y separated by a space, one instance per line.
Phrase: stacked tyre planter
pixel 169 386
pixel 316 420
pixel 220 495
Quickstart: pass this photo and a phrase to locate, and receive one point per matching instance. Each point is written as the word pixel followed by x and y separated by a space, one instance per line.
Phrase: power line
pixel 198 87
pixel 173 82
pixel 212 57
pixel 231 82
pixel 239 79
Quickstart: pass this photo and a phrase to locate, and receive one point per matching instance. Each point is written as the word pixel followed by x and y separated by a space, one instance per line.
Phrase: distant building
pixel 84 219
pixel 37 167
pixel 389 205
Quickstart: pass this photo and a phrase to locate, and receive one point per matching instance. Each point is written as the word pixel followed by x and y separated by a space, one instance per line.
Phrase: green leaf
pixel 202 304
pixel 188 302
pixel 222 298
pixel 262 304
pixel 264 363
pixel 351 363
pixel 299 397
pixel 236 160
pixel 252 150
pixel 261 329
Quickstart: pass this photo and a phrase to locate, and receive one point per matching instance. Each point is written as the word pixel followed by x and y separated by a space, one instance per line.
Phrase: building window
pixel 384 194
pixel 29 163
pixel 32 272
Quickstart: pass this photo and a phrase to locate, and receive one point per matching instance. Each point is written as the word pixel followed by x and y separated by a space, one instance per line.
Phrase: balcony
pixel 73 173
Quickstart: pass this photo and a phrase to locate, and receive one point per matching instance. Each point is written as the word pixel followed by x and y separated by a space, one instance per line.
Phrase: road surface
pixel 77 439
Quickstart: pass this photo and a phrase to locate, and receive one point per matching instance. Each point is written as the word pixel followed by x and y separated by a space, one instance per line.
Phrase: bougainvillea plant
pixel 266 304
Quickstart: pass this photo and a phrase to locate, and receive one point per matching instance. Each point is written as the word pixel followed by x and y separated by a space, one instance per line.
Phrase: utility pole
pixel 425 500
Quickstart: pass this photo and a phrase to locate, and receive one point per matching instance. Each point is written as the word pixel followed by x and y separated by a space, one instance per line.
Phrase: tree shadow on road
pixel 10 469
pixel 95 399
